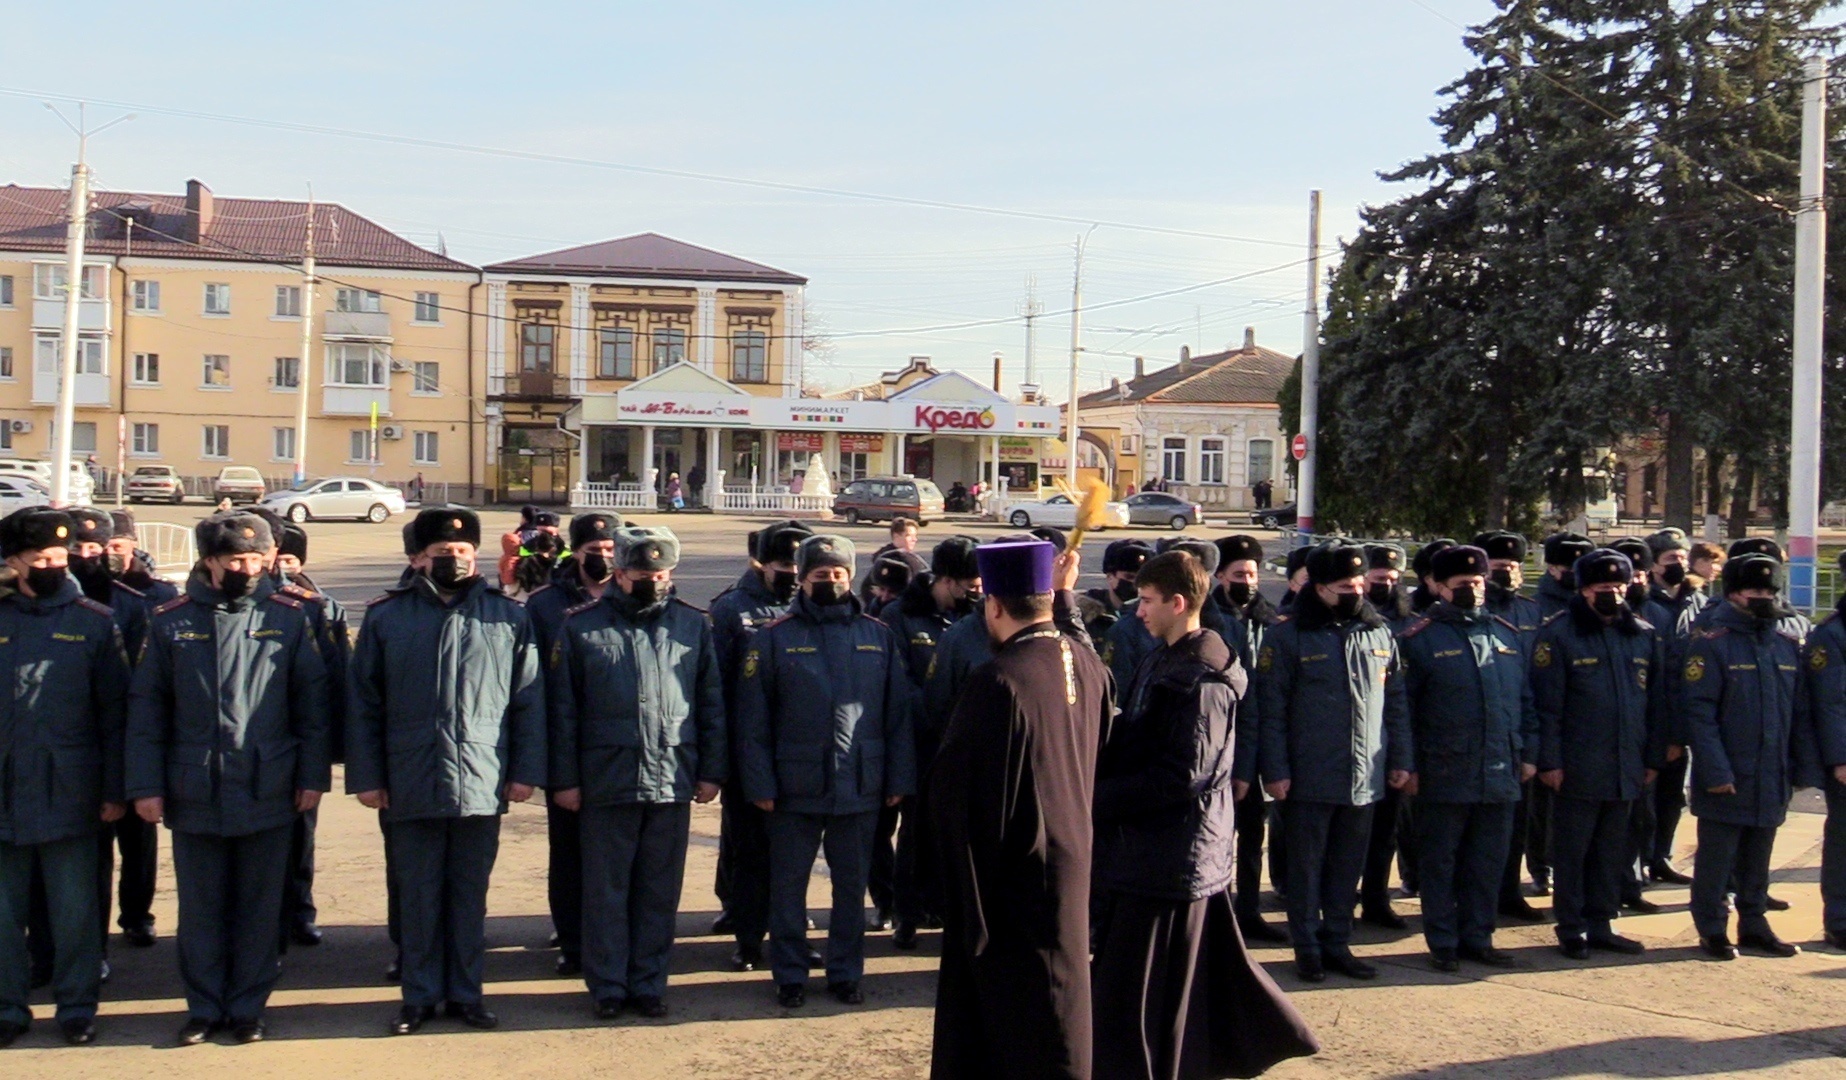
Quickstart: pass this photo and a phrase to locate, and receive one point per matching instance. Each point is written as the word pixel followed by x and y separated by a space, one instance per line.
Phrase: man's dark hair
pixel 1032 607
pixel 900 523
pixel 1175 573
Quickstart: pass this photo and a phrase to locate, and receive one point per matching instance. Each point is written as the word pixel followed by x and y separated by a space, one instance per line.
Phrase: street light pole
pixel 1072 431
pixel 1810 281
pixel 303 365
pixel 1310 380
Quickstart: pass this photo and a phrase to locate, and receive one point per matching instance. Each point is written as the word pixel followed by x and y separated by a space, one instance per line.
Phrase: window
pixel 217 299
pixel 669 348
pixel 750 356
pixel 426 377
pixel 536 342
pixel 83 437
pixel 1211 461
pixel 146 440
pixel 6 292
pixel 359 445
pixel 217 443
pixel 617 354
pixel 216 372
pixel 288 301
pixel 282 444
pixel 357 300
pixel 429 307
pixel 1128 444
pixel 6 362
pixel 50 281
pixel 855 465
pixel 90 359
pixel 423 448
pixel 6 436
pixel 147 369
pixel 1173 460
pixel 288 373
pixel 350 364
pixel 1262 460
pixel 146 296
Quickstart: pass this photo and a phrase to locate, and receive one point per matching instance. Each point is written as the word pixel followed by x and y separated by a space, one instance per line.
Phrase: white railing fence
pixel 170 547
pixel 597 496
pixel 771 501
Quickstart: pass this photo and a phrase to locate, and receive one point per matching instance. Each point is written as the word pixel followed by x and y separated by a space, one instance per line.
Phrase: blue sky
pixel 1208 117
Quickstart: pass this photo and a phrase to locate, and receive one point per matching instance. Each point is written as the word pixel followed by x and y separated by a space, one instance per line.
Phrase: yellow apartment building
pixel 190 352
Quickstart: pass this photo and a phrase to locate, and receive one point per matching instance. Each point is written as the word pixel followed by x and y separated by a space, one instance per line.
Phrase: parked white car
pixel 337 497
pixel 1060 513
pixel 82 484
pixel 18 492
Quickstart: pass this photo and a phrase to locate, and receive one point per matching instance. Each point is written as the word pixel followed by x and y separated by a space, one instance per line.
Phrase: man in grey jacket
pixel 637 734
pixel 445 725
pixel 823 715
pixel 228 743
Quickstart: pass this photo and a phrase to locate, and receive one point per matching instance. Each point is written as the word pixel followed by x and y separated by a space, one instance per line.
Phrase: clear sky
pixel 1210 117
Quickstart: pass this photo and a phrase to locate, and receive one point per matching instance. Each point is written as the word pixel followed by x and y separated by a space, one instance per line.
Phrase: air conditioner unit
pixel 399 367
pixel 391 431
pixel 21 427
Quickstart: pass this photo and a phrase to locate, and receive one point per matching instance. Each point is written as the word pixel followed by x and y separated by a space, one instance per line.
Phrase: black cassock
pixel 1008 805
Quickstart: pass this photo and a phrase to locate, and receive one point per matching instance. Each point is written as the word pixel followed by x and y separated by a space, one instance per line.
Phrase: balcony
pixel 92 390
pixel 91 314
pixel 354 400
pixel 532 386
pixel 358 325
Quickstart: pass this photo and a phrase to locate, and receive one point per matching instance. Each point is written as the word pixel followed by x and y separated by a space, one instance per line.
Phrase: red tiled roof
pixel 647 255
pixel 32 219
pixel 1252 375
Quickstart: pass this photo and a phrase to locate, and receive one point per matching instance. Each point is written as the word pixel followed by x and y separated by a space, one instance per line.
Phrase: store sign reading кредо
pixel 935 418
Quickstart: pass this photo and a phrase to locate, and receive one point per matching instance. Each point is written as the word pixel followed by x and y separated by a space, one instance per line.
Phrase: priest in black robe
pixel 1008 805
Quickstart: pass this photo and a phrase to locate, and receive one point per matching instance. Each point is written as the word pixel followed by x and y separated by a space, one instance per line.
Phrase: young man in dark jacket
pixel 1164 865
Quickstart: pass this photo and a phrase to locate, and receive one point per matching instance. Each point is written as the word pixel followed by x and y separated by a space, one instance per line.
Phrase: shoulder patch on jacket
pixel 100 609
pixel 1416 628
pixel 1817 658
pixel 1695 668
pixel 1508 623
pixel 129 589
pixel 777 621
pixel 1541 655
pixel 297 591
pixel 285 600
pixel 178 601
pixel 577 608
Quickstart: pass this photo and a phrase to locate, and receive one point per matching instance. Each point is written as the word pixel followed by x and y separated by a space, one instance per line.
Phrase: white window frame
pixel 207 367
pixel 374 356
pixel 362 301
pixel 8 372
pixel 6 295
pixel 366 440
pixel 6 435
pixel 144 296
pixel 430 387
pixel 48 281
pixel 1212 458
pixel 141 365
pixel 1170 455
pixel 277 438
pixel 144 440
pixel 78 428
pixel 288 302
pixel 220 292
pixel 421 445
pixel 1251 478
pixel 215 433
pixel 428 310
pixel 276 372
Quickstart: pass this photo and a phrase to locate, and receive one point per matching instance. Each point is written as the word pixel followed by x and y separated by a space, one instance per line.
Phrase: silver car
pixel 337 497
pixel 1167 511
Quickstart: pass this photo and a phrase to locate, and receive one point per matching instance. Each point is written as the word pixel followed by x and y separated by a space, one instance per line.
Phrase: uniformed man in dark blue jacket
pixel 228 743
pixel 760 597
pixel 1424 594
pixel 1674 592
pixel 890 575
pixel 1597 675
pixel 1475 733
pixel 823 722
pixel 1128 641
pixel 61 755
pixel 1826 677
pixel 1121 561
pixel 1334 734
pixel 1641 827
pixel 1506 558
pixel 445 727
pixel 580 577
pixel 1744 700
pixel 637 735
pixel 1555 589
pixel 1393 828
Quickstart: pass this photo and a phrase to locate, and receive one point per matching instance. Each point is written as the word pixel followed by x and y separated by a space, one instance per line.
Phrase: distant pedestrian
pixel 695 483
pixel 416 489
pixel 676 493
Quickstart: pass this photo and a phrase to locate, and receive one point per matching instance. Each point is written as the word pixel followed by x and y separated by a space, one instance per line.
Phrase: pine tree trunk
pixel 1714 482
pixel 1679 473
pixel 1495 465
pixel 1742 496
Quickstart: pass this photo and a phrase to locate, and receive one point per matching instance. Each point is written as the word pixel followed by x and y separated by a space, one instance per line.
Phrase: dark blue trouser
pixel 744 867
pixel 1669 801
pixel 1833 860
pixel 140 846
pixel 634 862
pixel 391 915
pixel 68 868
pixel 230 903
pixel 298 908
pixel 1731 856
pixel 564 877
pixel 1590 853
pixel 1326 856
pixel 1461 852
pixel 1248 818
pixel 1382 849
pixel 442 866
pixel 794 840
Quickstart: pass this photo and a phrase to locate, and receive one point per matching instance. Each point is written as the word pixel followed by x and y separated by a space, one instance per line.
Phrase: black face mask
pixel 1765 608
pixel 782 584
pixel 117 563
pixel 1569 580
pixel 1240 593
pixel 1346 604
pixel 646 591
pixel 89 569
pixel 1607 604
pixel 45 581
pixel 828 593
pixel 1503 577
pixel 235 584
pixel 450 572
pixel 1379 594
pixel 1124 589
pixel 1464 597
pixel 1637 595
pixel 1673 574
pixel 596 567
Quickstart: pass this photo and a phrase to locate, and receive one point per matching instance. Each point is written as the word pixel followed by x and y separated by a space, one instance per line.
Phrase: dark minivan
pixel 881 498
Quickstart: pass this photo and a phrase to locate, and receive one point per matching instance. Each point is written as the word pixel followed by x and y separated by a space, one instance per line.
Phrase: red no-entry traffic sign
pixel 1299 447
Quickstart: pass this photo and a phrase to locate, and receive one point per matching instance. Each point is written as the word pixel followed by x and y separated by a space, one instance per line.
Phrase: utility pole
pixel 1072 431
pixel 1031 309
pixel 1310 380
pixel 302 366
pixel 75 233
pixel 1810 281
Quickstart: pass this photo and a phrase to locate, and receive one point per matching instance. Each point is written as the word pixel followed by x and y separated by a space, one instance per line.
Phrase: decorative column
pixel 648 472
pixel 705 326
pixel 496 338
pixel 712 460
pixel 792 356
